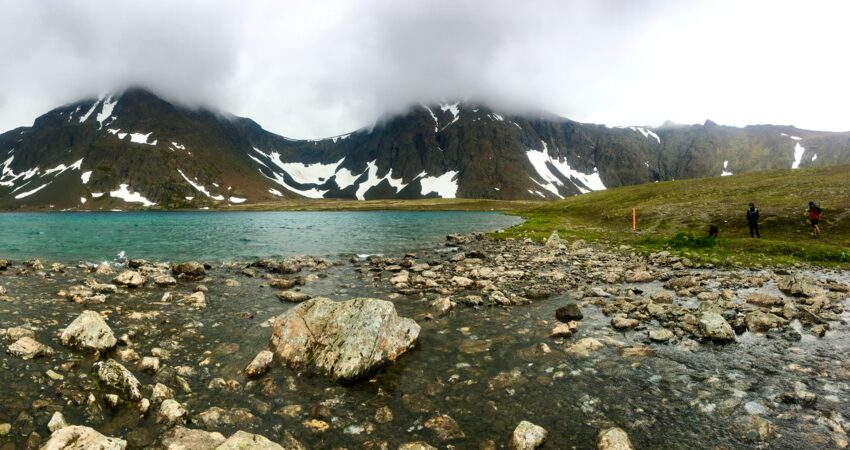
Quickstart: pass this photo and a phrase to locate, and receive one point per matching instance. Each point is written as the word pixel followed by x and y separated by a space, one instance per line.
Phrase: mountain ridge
pixel 134 149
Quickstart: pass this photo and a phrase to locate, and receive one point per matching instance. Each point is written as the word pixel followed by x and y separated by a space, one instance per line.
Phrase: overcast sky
pixel 321 68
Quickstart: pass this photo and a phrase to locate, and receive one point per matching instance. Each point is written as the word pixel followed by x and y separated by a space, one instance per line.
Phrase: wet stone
pixel 569 313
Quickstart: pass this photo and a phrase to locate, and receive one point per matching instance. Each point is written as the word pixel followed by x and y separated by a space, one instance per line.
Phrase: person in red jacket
pixel 814 216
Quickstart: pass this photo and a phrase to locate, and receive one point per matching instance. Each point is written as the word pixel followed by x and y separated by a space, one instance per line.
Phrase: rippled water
pixel 213 236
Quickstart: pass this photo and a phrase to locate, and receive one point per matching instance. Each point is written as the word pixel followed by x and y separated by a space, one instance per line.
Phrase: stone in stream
pixel 130 278
pixel 57 422
pixel 796 285
pixel 182 438
pixel 613 439
pixel 445 427
pixel 418 445
pixel 584 346
pixel 622 322
pixel 111 373
pixel 191 269
pixel 15 333
pixel 260 364
pixel 171 413
pixel 760 321
pixel 765 300
pixel 527 436
pixel 28 348
pixel 343 340
pixel 293 296
pixel 164 280
pixel 568 313
pixel 563 330
pixel 660 335
pixel 88 332
pixel 244 441
pixel 195 299
pixel 554 242
pixel 77 437
pixel 714 327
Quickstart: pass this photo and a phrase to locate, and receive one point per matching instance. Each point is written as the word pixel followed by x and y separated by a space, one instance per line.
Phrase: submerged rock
pixel 88 332
pixel 82 438
pixel 260 364
pixel 244 441
pixel 613 439
pixel 527 436
pixel 28 348
pixel 191 269
pixel 445 427
pixel 113 374
pixel 568 313
pixel 344 340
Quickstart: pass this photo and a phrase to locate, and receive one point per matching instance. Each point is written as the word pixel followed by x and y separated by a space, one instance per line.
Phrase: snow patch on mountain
pixel 128 196
pixel 106 111
pixel 236 200
pixel 796 138
pixel 90 111
pixel 646 133
pixel 62 168
pixel 373 180
pixel 798 156
pixel 541 160
pixel 316 173
pixel 309 193
pixel 433 116
pixel 140 138
pixel 444 185
pixel 344 178
pixel 453 107
pixel 178 146
pixel 275 192
pixel 85 176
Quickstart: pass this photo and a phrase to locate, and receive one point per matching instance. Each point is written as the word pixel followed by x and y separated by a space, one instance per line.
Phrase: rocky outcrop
pixel 82 438
pixel 343 340
pixel 88 332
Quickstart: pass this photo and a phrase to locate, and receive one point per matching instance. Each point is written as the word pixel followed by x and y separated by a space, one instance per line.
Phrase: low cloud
pixel 316 69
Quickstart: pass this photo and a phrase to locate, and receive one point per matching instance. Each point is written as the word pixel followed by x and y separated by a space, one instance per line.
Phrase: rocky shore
pixel 481 344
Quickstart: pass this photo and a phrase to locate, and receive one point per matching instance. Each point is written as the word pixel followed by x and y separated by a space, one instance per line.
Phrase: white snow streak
pixel 275 192
pixel 436 122
pixel 316 173
pixel 106 111
pixel 646 133
pixel 91 110
pixel 454 109
pixel 130 197
pixel 200 188
pixel 814 157
pixel 796 138
pixel 28 193
pixel 798 156
pixel 96 194
pixel 724 173
pixel 373 180
pixel 237 199
pixel 86 176
pixel 139 138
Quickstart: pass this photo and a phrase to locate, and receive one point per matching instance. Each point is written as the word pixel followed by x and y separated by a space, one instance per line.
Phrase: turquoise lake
pixel 225 236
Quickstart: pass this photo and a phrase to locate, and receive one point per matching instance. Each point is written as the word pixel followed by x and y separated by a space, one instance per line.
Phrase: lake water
pixel 218 236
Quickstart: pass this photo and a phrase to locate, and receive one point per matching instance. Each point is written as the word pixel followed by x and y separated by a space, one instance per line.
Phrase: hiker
pixel 814 216
pixel 753 219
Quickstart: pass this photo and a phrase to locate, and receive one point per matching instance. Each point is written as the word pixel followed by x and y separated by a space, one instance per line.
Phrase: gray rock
pixel 418 445
pixel 164 280
pixel 796 285
pixel 293 296
pixel 622 322
pixel 15 333
pixel 216 418
pixel 613 439
pixel 171 412
pixel 88 332
pixel 527 436
pixel 714 327
pixel 247 441
pixel 77 437
pixel 191 269
pixel 444 427
pixel 760 321
pixel 130 278
pixel 260 364
pixel 660 335
pixel 344 340
pixel 111 373
pixel 57 422
pixel 568 313
pixel 28 348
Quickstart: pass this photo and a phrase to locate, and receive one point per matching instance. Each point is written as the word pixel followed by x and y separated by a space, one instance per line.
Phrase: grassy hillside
pixel 689 207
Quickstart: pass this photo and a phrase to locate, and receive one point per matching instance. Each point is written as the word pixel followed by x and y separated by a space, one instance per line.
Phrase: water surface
pixel 217 236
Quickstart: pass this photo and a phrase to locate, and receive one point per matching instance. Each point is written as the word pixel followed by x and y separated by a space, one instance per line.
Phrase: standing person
pixel 753 220
pixel 814 216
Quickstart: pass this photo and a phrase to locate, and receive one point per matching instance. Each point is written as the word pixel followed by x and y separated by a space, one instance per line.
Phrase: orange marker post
pixel 634 219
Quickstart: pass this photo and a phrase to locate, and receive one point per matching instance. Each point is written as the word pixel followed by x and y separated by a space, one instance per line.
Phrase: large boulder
pixel 111 373
pixel 130 278
pixel 343 340
pixel 760 321
pixel 714 327
pixel 88 332
pixel 82 438
pixel 797 286
pixel 245 441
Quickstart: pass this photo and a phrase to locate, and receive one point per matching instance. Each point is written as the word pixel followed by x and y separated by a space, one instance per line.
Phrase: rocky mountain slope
pixel 135 149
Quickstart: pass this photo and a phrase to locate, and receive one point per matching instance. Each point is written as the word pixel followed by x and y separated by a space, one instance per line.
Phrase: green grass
pixel 676 216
